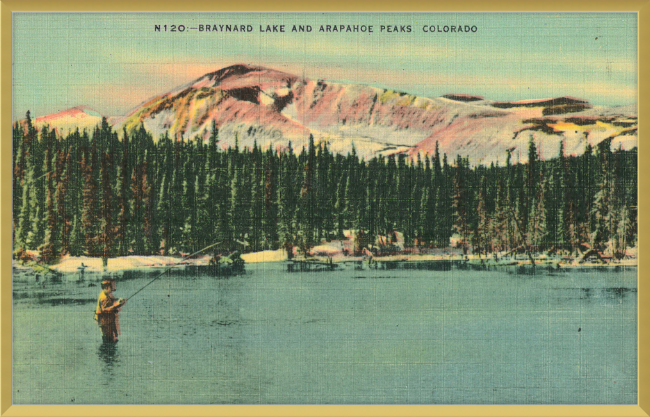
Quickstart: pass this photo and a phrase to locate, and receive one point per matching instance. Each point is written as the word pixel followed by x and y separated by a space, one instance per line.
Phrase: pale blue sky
pixel 112 62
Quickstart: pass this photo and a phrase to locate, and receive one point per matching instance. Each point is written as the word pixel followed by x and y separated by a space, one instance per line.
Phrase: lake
pixel 399 336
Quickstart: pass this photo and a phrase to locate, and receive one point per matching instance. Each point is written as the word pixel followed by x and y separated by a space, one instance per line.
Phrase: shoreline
pixel 74 266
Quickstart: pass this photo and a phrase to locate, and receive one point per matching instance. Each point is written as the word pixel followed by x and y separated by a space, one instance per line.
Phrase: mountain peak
pixel 231 71
pixel 236 72
pixel 77 112
pixel 251 103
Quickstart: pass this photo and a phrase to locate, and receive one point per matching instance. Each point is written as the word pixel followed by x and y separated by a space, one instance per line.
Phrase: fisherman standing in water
pixel 106 313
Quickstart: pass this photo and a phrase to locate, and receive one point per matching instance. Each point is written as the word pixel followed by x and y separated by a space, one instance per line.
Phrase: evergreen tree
pixel 340 206
pixel 270 212
pixel 222 180
pixel 445 219
pixel 151 242
pixel 238 215
pixel 105 237
pixel 63 210
pixel 189 204
pixel 306 201
pixel 123 198
pixel 89 211
pixel 206 206
pixel 286 226
pixel 76 239
pixel 586 179
pixel 499 223
pixel 24 221
pixel 532 185
pixel 461 208
pixel 164 214
pixel 537 226
pixel 256 208
pixel 482 237
pixel 37 192
pixel 604 210
pixel 176 214
pixel 50 248
pixel 213 141
pixel 567 205
pixel 19 161
pixel 136 210
pixel 621 234
pixel 427 216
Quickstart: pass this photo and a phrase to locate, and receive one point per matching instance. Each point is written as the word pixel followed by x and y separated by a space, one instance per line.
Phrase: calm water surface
pixel 398 336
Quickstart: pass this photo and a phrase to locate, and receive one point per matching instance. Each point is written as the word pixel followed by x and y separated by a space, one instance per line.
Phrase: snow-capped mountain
pixel 251 103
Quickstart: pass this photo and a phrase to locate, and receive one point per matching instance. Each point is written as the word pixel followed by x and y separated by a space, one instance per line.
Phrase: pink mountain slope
pixel 250 103
pixel 256 104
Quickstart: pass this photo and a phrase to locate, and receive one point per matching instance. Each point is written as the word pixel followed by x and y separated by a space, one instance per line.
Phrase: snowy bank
pixel 72 264
pixel 265 256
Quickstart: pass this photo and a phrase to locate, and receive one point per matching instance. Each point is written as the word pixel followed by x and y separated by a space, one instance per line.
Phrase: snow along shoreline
pixel 69 265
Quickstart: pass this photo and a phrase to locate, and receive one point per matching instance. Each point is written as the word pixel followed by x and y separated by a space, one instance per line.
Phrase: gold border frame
pixel 642 7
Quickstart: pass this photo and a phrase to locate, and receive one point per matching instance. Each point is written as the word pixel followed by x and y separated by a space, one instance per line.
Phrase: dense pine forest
pixel 106 193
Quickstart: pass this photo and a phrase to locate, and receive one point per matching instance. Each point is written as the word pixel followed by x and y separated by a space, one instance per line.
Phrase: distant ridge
pixel 83 117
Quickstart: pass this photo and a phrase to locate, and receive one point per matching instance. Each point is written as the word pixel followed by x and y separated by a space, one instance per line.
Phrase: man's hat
pixel 108 281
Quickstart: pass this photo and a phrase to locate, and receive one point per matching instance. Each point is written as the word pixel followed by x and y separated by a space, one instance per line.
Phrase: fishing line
pixel 170 267
pixel 49 172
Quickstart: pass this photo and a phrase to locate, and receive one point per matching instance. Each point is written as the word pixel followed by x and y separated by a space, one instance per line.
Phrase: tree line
pixel 104 193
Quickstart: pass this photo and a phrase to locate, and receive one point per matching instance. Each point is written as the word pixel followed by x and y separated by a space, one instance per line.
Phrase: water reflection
pixel 108 353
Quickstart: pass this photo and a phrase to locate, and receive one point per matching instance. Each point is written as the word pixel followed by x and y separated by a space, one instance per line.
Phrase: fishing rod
pixel 169 269
pixel 49 172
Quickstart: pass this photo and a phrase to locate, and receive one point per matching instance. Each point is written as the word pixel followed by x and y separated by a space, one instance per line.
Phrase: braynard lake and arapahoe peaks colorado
pixel 281 28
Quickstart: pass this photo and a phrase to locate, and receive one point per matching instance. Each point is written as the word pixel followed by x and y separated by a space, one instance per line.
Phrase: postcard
pixel 325 208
